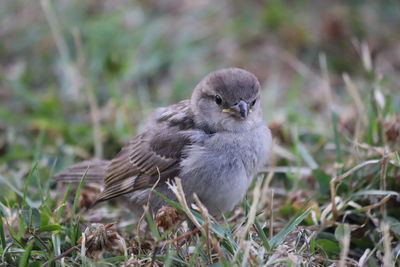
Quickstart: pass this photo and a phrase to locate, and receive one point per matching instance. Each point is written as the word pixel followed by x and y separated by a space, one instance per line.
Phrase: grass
pixel 77 80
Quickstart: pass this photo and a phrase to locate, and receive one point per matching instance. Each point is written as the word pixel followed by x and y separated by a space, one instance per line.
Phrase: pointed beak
pixel 241 109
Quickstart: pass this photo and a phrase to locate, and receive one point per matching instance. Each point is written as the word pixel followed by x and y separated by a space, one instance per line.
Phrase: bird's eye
pixel 218 100
pixel 254 102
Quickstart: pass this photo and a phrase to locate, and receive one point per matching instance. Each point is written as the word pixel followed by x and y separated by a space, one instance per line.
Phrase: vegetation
pixel 77 79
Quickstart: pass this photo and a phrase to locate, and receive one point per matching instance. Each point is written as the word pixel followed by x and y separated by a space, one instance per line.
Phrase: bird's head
pixel 227 100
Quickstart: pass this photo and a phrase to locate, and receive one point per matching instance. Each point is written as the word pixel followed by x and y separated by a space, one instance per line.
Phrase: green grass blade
pixel 49 228
pixel 169 257
pixel 78 191
pixel 195 253
pixel 278 238
pixel 14 235
pixel 62 206
pixel 55 239
pixel 74 230
pixel 307 157
pixel 338 148
pixel 25 257
pixel 18 192
pixel 115 259
pixel 152 226
pixel 2 236
pixel 27 181
pixel 262 235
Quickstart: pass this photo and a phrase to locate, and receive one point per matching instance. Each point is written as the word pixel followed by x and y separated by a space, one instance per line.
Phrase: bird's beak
pixel 240 110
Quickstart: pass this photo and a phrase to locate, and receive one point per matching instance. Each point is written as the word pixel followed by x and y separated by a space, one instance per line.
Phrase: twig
pixel 40 241
pixel 62 255
pixel 184 236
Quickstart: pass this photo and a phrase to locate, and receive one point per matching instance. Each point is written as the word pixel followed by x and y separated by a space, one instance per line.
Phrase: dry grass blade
pixel 210 239
pixel 344 239
pixel 382 185
pixel 387 239
pixel 336 179
pixel 56 30
pixel 62 255
pixel 381 203
pixel 180 195
pixel 353 92
pixel 250 219
pixel 91 98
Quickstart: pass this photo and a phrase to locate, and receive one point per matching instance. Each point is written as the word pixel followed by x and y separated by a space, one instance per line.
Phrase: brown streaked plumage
pixel 223 116
pixel 149 156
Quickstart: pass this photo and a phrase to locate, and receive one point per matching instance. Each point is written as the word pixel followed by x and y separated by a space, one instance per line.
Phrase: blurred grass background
pixel 77 79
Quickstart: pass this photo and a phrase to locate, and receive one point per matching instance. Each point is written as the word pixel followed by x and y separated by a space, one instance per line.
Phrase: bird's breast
pixel 220 170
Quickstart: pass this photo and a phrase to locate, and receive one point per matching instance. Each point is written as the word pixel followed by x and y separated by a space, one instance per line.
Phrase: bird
pixel 215 142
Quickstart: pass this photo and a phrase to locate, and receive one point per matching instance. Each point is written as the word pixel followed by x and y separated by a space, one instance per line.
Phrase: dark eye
pixel 218 100
pixel 254 102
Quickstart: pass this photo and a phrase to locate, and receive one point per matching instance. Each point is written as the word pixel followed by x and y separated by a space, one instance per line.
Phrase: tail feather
pixel 96 170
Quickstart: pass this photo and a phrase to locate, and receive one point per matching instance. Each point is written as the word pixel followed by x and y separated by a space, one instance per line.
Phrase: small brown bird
pixel 215 142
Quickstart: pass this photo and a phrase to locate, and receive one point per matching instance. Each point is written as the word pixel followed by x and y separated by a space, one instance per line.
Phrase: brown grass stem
pixel 271 215
pixel 336 179
pixel 387 239
pixel 95 113
pixel 382 185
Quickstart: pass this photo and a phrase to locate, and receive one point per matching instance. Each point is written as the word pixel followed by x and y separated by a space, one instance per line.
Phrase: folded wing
pixel 153 156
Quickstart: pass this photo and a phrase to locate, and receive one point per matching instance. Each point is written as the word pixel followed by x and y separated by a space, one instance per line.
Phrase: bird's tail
pixel 95 171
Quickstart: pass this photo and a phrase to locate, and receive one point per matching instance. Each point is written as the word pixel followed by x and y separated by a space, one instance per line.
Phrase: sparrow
pixel 216 142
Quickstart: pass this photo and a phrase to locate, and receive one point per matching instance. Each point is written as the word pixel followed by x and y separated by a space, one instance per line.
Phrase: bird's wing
pixel 153 155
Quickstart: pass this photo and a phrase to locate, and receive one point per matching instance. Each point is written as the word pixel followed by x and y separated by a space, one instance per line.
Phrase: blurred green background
pixel 124 58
